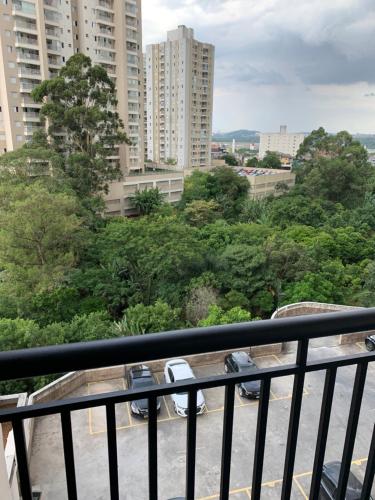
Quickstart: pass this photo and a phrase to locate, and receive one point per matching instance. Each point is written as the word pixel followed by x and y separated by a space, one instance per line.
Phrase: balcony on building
pixel 54 4
pixel 78 437
pixel 29 71
pixel 104 17
pixel 27 85
pixel 25 25
pixel 25 55
pixel 26 40
pixel 105 4
pixel 52 16
pixel 23 8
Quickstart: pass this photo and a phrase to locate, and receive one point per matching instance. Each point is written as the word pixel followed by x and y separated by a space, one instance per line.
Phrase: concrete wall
pixel 304 308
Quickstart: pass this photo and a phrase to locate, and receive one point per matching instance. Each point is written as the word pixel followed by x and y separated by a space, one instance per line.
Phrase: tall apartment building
pixel 280 142
pixel 38 36
pixel 179 76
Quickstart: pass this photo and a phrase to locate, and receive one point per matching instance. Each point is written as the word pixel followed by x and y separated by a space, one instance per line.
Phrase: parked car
pixel 139 377
pixel 370 343
pixel 240 362
pixel 177 370
pixel 330 481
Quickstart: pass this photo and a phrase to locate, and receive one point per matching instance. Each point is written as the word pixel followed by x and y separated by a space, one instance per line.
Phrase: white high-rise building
pixel 280 142
pixel 38 36
pixel 179 76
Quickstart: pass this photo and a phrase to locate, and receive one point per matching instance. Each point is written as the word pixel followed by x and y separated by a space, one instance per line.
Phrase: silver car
pixel 177 370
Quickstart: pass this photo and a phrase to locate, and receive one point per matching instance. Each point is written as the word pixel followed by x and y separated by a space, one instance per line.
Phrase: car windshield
pixel 246 366
pixel 184 380
pixel 143 382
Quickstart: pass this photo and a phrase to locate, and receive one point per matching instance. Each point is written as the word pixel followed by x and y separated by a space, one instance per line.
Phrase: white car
pixel 177 370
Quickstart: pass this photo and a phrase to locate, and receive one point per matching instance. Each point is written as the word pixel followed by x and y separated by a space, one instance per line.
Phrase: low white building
pixel 280 142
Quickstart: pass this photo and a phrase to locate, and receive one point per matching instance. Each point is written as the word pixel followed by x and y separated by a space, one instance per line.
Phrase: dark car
pixel 139 377
pixel 240 362
pixel 370 343
pixel 330 481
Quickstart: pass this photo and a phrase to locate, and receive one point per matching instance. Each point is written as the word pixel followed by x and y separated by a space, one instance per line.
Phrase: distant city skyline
pixel 303 63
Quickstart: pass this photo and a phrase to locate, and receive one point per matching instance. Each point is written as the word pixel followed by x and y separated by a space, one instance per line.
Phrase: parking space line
pixel 362 347
pixel 127 405
pixel 277 359
pixel 248 492
pixel 300 488
pixel 272 484
pixel 164 399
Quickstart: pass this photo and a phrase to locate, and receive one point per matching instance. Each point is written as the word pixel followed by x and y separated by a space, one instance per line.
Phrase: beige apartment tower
pixel 179 82
pixel 280 142
pixel 38 36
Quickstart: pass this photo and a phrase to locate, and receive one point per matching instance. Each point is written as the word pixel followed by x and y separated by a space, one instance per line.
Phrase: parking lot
pixel 89 434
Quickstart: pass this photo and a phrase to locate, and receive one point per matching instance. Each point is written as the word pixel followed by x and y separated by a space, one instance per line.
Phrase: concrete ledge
pixel 305 308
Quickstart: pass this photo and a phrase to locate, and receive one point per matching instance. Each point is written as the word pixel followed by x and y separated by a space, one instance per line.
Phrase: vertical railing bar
pixel 295 412
pixel 152 448
pixel 191 437
pixel 227 441
pixel 351 430
pixel 260 440
pixel 23 469
pixel 370 470
pixel 66 427
pixel 112 451
pixel 325 416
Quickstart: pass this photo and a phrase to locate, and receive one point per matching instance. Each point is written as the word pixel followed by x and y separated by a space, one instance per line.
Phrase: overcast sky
pixel 303 63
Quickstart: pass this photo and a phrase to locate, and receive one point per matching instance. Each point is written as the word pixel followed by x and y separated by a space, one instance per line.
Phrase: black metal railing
pixel 64 358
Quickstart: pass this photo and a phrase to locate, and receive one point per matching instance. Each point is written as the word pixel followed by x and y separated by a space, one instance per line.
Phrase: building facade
pixel 267 181
pixel 37 37
pixel 179 76
pixel 280 142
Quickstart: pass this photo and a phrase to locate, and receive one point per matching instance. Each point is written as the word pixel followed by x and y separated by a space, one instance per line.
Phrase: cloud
pixel 371 94
pixel 295 46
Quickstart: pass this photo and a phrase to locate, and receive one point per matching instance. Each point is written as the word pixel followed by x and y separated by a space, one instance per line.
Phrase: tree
pixel 81 103
pixel 217 316
pixel 230 160
pixel 201 212
pixel 229 190
pixel 199 301
pixel 40 235
pixel 148 200
pixel 195 188
pixel 141 319
pixel 222 185
pixel 334 167
pixel 270 160
pixel 149 258
pixel 171 161
pixel 252 162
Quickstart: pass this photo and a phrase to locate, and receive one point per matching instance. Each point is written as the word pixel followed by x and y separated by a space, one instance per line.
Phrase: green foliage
pixel 141 319
pixel 230 160
pixel 201 212
pixel 220 257
pixel 270 160
pixel 80 102
pixel 252 162
pixel 217 316
pixel 222 185
pixel 40 235
pixel 147 201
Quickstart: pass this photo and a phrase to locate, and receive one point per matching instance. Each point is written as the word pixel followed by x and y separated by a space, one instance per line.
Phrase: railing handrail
pixel 37 361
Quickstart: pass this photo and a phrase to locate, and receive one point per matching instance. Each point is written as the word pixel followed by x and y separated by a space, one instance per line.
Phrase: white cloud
pixel 301 51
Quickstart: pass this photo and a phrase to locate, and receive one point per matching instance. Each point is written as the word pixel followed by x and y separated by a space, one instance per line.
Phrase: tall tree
pixel 148 200
pixel 80 103
pixel 40 234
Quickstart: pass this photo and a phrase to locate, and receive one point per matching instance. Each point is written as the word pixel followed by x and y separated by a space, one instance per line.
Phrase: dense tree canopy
pixel 67 274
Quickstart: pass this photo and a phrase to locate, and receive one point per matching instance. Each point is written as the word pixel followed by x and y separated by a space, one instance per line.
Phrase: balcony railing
pixel 71 357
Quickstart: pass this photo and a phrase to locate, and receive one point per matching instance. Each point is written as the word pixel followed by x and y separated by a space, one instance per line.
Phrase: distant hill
pixel 239 135
pixel 367 140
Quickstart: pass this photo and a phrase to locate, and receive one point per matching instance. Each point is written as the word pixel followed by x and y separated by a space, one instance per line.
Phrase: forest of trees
pixel 68 274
